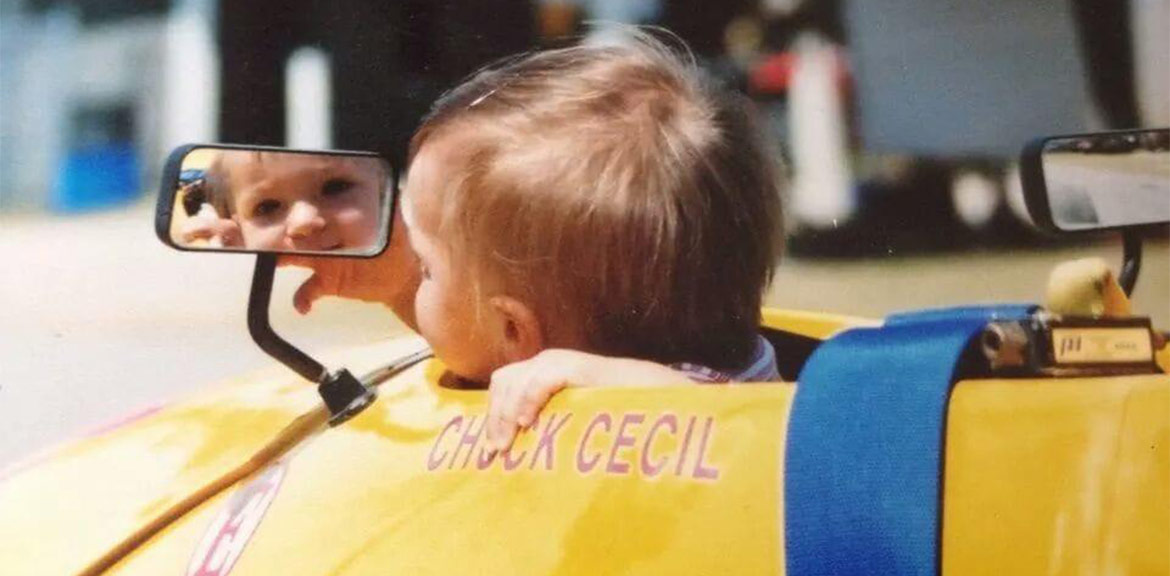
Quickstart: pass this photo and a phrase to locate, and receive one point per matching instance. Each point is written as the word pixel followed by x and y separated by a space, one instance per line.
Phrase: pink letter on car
pixel 548 441
pixel 585 466
pixel 622 441
pixel 650 470
pixel 432 461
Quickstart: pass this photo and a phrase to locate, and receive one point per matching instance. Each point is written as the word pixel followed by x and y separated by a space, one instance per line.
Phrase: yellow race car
pixel 1011 439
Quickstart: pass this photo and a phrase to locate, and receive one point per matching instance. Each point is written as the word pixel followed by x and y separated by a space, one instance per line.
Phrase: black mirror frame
pixel 170 186
pixel 1036 191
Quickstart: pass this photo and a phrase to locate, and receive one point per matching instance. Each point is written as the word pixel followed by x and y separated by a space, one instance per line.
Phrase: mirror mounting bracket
pixel 343 394
pixel 1131 263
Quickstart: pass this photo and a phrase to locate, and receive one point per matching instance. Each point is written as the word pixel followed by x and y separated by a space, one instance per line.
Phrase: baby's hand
pixel 207 228
pixel 390 278
pixel 520 390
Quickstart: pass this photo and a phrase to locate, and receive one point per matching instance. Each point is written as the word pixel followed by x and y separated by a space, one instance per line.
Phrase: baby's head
pixel 612 194
pixel 297 201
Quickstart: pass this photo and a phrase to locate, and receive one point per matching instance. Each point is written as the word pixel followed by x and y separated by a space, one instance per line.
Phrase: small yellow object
pixel 1086 287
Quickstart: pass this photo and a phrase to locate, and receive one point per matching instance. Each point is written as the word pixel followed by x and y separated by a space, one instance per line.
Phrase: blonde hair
pixel 624 195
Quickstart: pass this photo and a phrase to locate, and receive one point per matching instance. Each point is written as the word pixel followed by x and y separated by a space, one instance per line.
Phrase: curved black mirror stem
pixel 343 394
pixel 1131 263
pixel 260 329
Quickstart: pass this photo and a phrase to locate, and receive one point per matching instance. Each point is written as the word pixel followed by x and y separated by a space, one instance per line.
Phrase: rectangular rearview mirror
pixel 218 197
pixel 1098 181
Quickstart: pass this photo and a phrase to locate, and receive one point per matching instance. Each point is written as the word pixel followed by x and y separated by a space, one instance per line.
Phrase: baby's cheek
pixel 424 309
pixel 262 236
pixel 358 226
pixel 436 325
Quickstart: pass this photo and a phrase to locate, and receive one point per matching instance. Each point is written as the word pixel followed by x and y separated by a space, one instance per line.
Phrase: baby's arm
pixel 391 278
pixel 520 390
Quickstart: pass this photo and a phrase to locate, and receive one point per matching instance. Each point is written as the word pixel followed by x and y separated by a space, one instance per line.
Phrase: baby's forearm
pixel 519 391
pixel 609 371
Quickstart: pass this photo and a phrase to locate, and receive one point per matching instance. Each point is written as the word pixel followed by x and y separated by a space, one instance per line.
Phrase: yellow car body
pixel 1042 476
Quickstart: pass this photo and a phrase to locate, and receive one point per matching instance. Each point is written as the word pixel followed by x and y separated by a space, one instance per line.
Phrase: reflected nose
pixel 304 219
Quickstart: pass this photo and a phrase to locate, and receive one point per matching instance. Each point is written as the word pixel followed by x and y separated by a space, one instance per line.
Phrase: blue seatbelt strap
pixel 863 465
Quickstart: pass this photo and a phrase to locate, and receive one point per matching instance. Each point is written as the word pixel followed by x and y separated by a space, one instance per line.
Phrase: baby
pixel 285 201
pixel 589 216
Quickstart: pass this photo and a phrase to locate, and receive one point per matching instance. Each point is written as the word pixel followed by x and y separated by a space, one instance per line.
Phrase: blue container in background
pixel 97 176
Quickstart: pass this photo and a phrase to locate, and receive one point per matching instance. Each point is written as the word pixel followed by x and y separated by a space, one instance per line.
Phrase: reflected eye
pixel 267 207
pixel 336 187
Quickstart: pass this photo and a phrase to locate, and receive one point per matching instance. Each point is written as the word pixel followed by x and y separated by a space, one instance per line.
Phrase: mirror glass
pixel 275 200
pixel 1108 180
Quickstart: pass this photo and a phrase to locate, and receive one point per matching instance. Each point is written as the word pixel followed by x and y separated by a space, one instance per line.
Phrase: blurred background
pixel 899 120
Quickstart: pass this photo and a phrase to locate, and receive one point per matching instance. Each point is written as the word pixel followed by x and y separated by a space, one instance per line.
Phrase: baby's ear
pixel 521 333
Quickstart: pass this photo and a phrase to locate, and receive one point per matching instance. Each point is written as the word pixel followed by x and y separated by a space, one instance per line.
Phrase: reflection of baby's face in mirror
pixel 298 202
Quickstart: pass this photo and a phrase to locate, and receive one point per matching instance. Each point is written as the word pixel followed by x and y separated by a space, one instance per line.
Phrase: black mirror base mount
pixel 343 394
pixel 1131 263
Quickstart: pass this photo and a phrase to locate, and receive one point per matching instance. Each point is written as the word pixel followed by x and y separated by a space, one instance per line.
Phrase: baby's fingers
pixel 494 424
pixel 493 428
pixel 229 234
pixel 295 261
pixel 196 229
pixel 506 389
pixel 533 399
pixel 508 425
pixel 327 279
pixel 308 292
